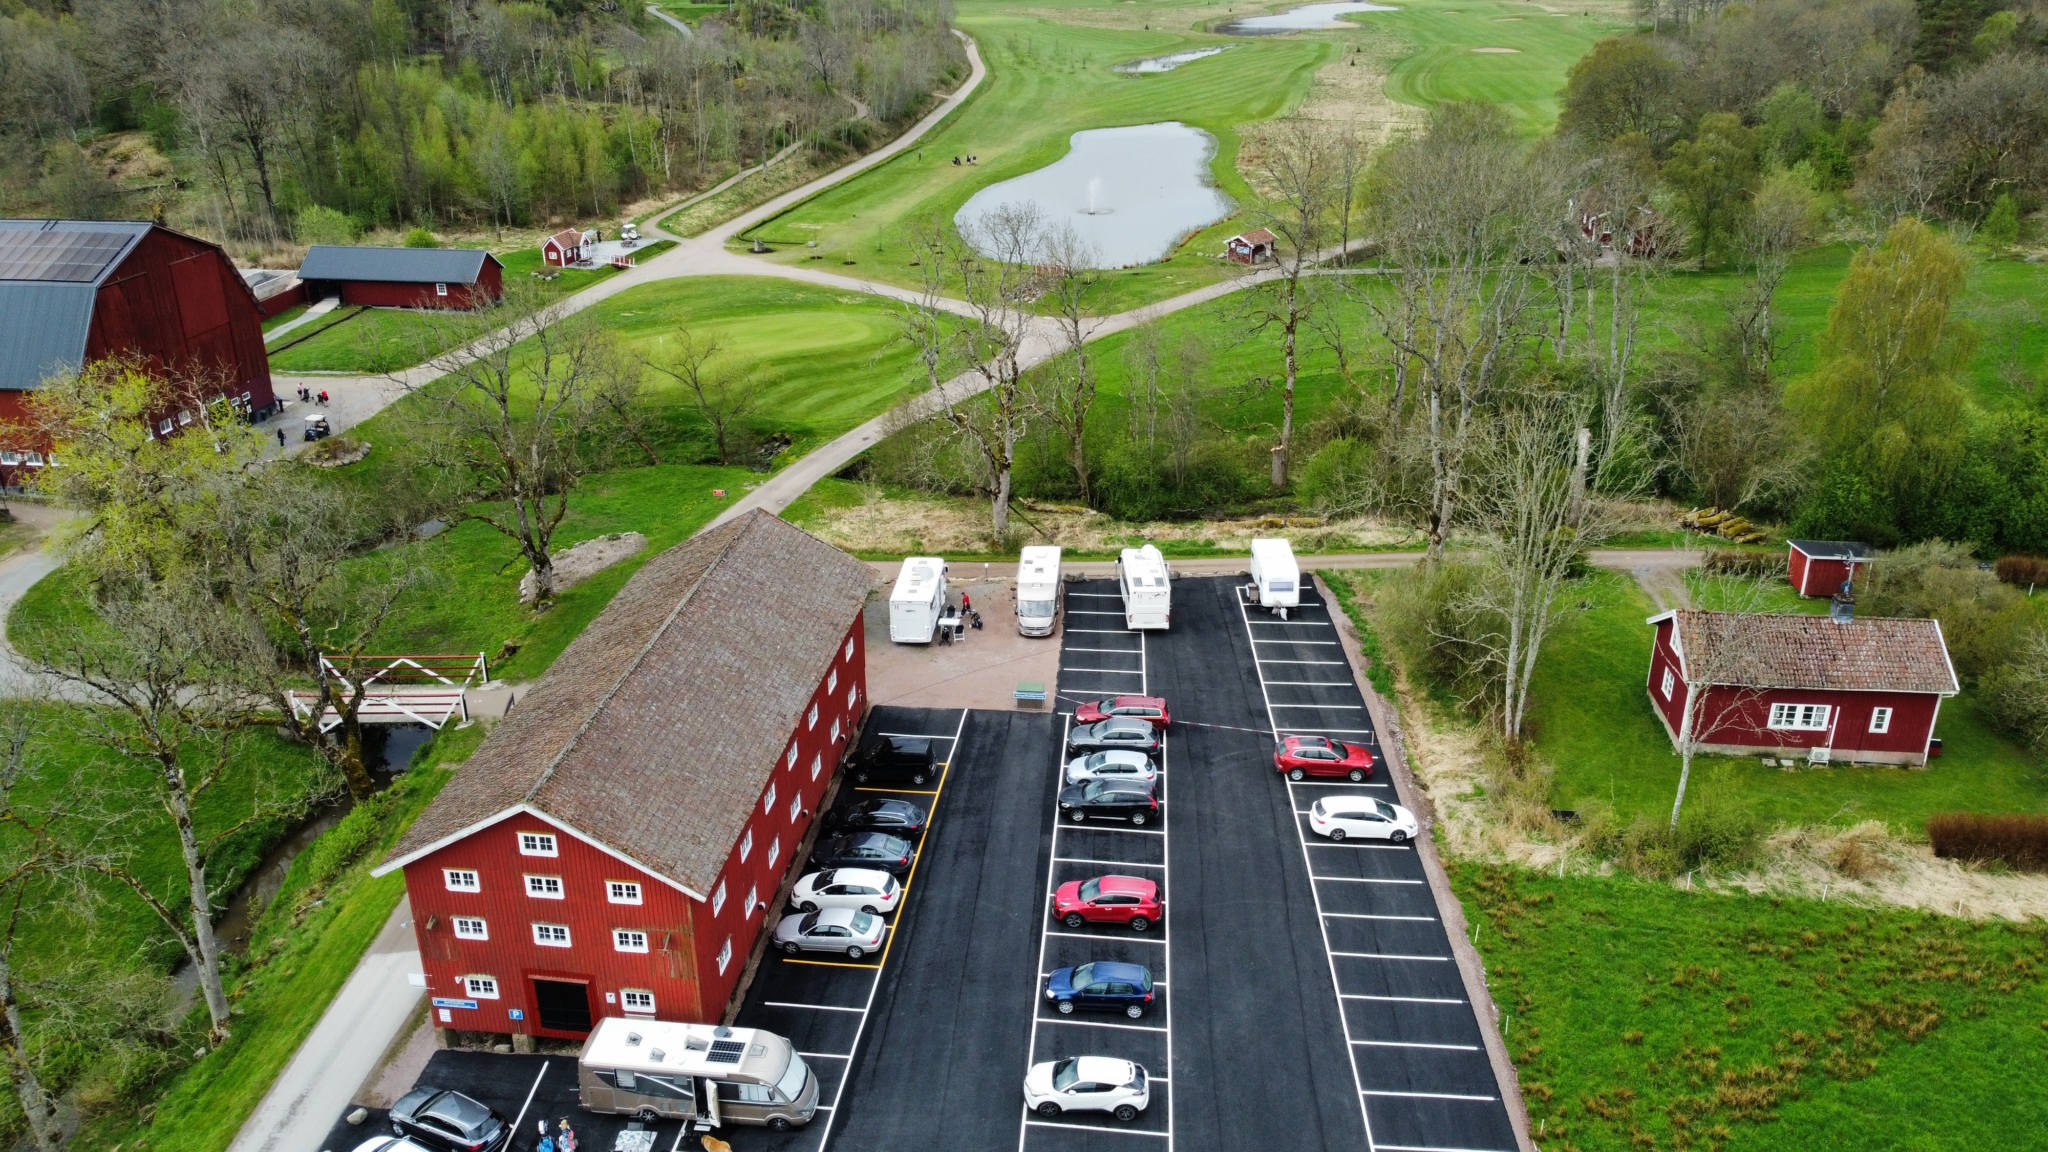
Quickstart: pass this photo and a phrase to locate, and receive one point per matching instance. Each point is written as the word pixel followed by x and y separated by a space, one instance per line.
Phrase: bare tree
pixel 1710 666
pixel 996 269
pixel 723 396
pixel 1776 226
pixel 1303 164
pixel 1064 394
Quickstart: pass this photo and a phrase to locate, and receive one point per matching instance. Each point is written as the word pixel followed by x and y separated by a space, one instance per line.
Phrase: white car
pixel 864 889
pixel 845 930
pixel 1341 817
pixel 1115 764
pixel 1088 1084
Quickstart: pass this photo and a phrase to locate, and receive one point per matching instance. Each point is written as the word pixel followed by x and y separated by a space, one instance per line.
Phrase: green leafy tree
pixel 422 238
pixel 1626 84
pixel 1711 176
pixel 319 224
pixel 2002 226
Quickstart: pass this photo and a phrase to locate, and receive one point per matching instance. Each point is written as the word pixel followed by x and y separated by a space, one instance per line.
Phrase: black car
pixel 896 816
pixel 450 1120
pixel 879 850
pixel 1109 799
pixel 1127 732
pixel 900 759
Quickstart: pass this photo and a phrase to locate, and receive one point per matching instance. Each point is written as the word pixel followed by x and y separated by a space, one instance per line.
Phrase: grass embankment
pixel 1643 1016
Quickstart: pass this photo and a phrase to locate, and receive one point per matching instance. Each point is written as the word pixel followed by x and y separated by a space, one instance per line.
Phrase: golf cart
pixel 316 427
pixel 630 234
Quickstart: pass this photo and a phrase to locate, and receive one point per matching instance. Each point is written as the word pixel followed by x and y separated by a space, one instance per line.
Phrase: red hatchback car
pixel 1108 900
pixel 1141 707
pixel 1303 756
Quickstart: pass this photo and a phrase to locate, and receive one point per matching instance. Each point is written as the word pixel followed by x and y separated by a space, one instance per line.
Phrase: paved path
pixel 319 309
pixel 688 32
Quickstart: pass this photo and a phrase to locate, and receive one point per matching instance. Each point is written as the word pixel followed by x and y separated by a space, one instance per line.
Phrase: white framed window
pixel 724 955
pixel 622 891
pixel 1670 682
pixel 1800 717
pixel 636 1000
pixel 811 721
pixel 817 765
pixel 544 887
pixel 832 681
pixel 440 289
pixel 184 417
pixel 718 898
pixel 462 880
pixel 753 900
pixel 849 647
pixel 471 928
pixel 629 940
pixel 746 845
pixel 1880 720
pixel 35 459
pixel 792 754
pixel 551 935
pixel 774 851
pixel 796 807
pixel 10 457
pixel 768 799
pixel 853 698
pixel 835 730
pixel 164 426
pixel 481 987
pixel 537 844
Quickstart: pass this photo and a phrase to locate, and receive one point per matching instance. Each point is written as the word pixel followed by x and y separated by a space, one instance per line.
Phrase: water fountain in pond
pixel 1094 191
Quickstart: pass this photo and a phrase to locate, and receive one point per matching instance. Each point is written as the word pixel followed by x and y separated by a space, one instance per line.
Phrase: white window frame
pixel 1800 717
pixel 832 681
pixel 796 807
pixel 811 721
pixel 481 987
pixel 753 899
pixel 853 698
pixel 725 956
pixel 552 935
pixel 164 426
pixel 10 457
pixel 637 1001
pixel 835 730
pixel 817 765
pixel 792 755
pixel 849 647
pixel 622 891
pixel 440 289
pixel 462 879
pixel 545 887
pixel 768 798
pixel 746 844
pixel 1880 721
pixel 1670 682
pixel 629 940
pixel 718 898
pixel 539 844
pixel 774 851
pixel 184 417
pixel 471 928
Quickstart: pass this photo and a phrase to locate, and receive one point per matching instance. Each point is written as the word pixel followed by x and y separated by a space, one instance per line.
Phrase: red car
pixel 1108 900
pixel 1304 756
pixel 1142 707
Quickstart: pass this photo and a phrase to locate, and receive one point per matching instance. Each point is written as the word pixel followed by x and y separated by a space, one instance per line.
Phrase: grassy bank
pixel 1647 1017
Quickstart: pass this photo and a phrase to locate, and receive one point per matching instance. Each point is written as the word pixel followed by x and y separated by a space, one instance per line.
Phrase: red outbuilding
pixel 616 844
pixel 1253 247
pixel 1821 567
pixel 562 249
pixel 1865 691
pixel 402 277
pixel 72 291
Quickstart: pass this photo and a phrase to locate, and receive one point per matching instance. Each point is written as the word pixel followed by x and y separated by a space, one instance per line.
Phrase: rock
pixel 585 560
pixel 358 1115
pixel 501 1047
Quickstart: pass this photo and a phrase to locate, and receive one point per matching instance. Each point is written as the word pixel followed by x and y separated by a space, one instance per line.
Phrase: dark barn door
pixel 564 1006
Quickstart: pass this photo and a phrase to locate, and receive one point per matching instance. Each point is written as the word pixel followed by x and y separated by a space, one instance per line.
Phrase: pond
pixel 1303 19
pixel 1130 194
pixel 1167 63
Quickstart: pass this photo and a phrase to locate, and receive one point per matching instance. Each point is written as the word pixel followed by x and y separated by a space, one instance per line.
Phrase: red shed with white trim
pixel 1820 567
pixel 402 277
pixel 562 249
pixel 1866 691
pixel 616 845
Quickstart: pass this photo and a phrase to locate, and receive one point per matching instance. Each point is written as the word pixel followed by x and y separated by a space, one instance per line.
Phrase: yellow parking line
pixel 919 858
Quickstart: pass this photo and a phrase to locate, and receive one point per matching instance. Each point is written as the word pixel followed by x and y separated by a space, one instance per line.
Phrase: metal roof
pixel 43 327
pixel 394 265
pixel 1832 549
pixel 64 251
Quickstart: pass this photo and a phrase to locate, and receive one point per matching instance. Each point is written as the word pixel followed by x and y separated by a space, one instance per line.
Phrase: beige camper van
pixel 707 1074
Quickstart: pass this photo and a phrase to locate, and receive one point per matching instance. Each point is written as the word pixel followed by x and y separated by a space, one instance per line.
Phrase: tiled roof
pixel 1759 650
pixel 656 730
pixel 1832 549
pixel 1258 236
pixel 393 265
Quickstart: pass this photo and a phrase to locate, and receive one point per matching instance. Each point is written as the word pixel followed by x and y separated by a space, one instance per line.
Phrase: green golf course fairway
pixel 1440 64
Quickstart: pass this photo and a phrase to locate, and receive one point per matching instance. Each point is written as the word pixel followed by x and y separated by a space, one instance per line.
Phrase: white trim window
pixel 774 851
pixel 746 845
pixel 768 799
pixel 753 899
pixel 551 935
pixel 835 730
pixel 832 681
pixel 629 940
pixel 792 755
pixel 811 721
pixel 853 698
pixel 796 807
pixel 440 289
pixel 481 987
pixel 817 765
pixel 724 955
pixel 1800 717
pixel 849 648
pixel 462 880
pixel 718 898
pixel 538 844
pixel 1880 721
pixel 471 928
pixel 638 1001
pixel 1670 682
pixel 544 887
pixel 622 891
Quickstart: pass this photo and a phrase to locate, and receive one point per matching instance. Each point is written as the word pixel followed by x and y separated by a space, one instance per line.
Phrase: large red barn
pixel 402 277
pixel 1821 567
pixel 615 845
pixel 1866 691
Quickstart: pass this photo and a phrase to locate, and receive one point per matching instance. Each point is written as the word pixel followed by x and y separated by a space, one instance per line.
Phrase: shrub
pixel 2018 841
pixel 1710 833
pixel 1437 633
pixel 422 238
pixel 2002 226
pixel 1340 478
pixel 2016 693
pixel 320 224
pixel 341 844
pixel 1730 562
pixel 1984 621
pixel 2022 571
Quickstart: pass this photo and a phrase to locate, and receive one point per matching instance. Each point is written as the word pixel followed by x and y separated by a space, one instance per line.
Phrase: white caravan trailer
pixel 1276 580
pixel 1038 590
pixel 918 600
pixel 702 1074
pixel 1148 596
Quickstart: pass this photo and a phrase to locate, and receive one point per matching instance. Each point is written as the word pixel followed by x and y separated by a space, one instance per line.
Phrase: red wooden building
pixel 1253 247
pixel 616 844
pixel 1866 691
pixel 1820 567
pixel 562 249
pixel 402 277
pixel 79 290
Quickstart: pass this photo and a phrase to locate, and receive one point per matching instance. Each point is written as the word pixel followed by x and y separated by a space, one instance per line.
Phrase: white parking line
pixel 1429 1148
pixel 1317 643
pixel 1167 1136
pixel 1107 863
pixel 1098 595
pixel 1427 1096
pixel 1092 826
pixel 1362 880
pixel 1111 651
pixel 1343 731
pixel 1410 1044
pixel 529 1096
pixel 1386 956
pixel 1377 916
pixel 1118 671
pixel 1307 683
pixel 1100 1024
pixel 1090 612
pixel 1108 631
pixel 1325 662
pixel 816 1007
pixel 826 1055
pixel 920 735
pixel 1326 707
pixel 1092 936
pixel 1401 999
pixel 1355 844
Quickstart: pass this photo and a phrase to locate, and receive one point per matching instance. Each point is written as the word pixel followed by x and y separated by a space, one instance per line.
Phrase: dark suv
pixel 902 759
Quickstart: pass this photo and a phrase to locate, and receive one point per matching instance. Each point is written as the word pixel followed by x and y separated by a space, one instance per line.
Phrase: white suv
pixel 862 889
pixel 1087 1084
pixel 1115 764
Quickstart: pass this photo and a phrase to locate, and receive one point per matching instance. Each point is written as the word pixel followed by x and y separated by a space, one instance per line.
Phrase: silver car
pixel 847 930
pixel 1112 765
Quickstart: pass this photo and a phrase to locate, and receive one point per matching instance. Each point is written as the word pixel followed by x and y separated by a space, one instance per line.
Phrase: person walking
pixel 280 437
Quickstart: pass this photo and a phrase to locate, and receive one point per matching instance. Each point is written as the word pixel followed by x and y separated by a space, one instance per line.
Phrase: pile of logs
pixel 1726 525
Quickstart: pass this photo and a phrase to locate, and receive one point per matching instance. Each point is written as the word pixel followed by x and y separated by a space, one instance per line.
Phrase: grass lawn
pixel 1591 720
pixel 285 317
pixel 1645 1016
pixel 1441 63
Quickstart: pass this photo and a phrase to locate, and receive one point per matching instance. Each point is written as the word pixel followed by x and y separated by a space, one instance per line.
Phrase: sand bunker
pixel 1497 50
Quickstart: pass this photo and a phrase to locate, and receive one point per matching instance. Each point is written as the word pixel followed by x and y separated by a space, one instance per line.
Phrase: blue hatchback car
pixel 1101 986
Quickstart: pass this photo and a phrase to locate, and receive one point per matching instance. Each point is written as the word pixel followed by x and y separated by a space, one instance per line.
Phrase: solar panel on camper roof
pixel 69 257
pixel 726 1052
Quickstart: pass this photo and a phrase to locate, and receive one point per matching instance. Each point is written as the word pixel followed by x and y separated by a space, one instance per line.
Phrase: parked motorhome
pixel 1276 580
pixel 1038 590
pixel 709 1075
pixel 918 600
pixel 1148 596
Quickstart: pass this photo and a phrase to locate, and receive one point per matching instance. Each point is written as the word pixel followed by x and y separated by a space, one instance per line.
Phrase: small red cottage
pixel 402 277
pixel 562 249
pixel 614 847
pixel 1866 691
pixel 1253 247
pixel 1819 567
